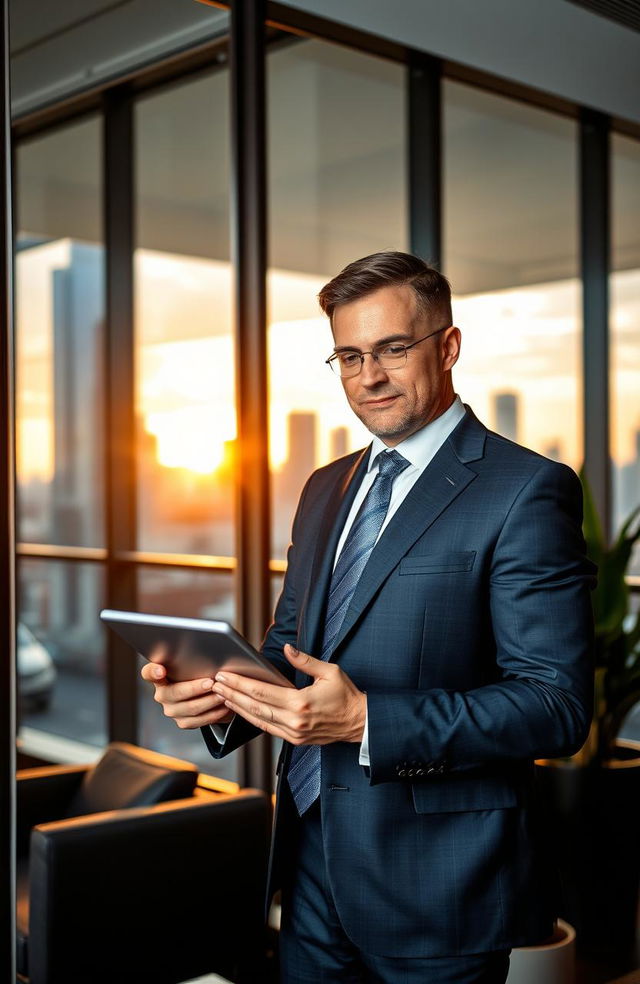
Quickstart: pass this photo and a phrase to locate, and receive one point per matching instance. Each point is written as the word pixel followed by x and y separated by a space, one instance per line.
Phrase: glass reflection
pixel 194 594
pixel 185 371
pixel 336 191
pixel 61 650
pixel 510 207
pixel 59 324
pixel 625 333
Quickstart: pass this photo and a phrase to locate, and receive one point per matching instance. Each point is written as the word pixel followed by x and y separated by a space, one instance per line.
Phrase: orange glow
pixel 187 439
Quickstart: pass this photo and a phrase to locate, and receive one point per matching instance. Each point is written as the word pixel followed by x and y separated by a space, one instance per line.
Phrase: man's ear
pixel 451 344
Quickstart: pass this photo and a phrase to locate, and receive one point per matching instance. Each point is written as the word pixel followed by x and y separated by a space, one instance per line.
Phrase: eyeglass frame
pixel 375 357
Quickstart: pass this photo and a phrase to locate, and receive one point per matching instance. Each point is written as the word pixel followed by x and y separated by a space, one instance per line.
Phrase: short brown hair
pixel 389 268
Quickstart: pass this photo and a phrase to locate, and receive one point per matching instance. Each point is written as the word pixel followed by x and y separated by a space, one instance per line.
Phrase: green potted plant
pixel 617 631
pixel 593 797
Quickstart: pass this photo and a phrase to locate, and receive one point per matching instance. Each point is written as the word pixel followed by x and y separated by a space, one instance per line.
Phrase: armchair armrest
pixel 161 893
pixel 43 794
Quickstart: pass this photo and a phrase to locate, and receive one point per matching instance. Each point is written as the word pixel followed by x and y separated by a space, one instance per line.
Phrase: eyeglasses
pixel 391 355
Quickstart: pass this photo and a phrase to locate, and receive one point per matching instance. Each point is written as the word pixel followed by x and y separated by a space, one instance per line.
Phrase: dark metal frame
pixel 424 135
pixel 7 528
pixel 595 238
pixel 253 567
pixel 120 470
pixel 249 258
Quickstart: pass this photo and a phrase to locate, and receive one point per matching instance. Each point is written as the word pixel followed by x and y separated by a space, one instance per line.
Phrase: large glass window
pixel 337 191
pixel 185 396
pixel 185 371
pixel 59 337
pixel 194 594
pixel 59 427
pixel 510 247
pixel 625 331
pixel 61 650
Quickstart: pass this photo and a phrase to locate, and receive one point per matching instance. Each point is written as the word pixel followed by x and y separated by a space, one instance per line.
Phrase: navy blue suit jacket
pixel 471 632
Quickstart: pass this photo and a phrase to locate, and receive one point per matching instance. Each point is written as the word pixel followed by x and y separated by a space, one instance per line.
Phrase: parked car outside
pixel 36 671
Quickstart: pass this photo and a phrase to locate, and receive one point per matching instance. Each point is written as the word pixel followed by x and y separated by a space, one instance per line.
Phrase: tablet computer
pixel 192 648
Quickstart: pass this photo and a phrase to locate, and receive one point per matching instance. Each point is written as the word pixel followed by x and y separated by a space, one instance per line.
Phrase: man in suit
pixel 436 619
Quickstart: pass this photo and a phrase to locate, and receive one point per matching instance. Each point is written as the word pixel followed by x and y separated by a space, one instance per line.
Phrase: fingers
pixel 304 662
pixel 153 672
pixel 263 720
pixel 267 693
pixel 288 718
pixel 190 703
pixel 222 715
pixel 188 708
pixel 167 691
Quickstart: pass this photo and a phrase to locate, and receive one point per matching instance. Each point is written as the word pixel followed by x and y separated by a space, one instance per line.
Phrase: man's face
pixel 394 403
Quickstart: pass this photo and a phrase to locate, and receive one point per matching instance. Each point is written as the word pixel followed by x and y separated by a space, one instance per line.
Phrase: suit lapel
pixel 335 516
pixel 442 481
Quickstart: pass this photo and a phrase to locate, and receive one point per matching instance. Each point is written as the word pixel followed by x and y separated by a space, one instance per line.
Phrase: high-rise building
pixel 506 414
pixel 339 442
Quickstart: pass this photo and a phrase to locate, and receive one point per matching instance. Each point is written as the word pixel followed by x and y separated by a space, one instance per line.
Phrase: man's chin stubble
pixel 399 428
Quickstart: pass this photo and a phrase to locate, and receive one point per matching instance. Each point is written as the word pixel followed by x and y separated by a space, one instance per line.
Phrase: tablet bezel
pixel 243 658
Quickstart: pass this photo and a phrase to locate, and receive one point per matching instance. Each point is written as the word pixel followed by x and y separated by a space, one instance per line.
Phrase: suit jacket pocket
pixel 460 794
pixel 441 563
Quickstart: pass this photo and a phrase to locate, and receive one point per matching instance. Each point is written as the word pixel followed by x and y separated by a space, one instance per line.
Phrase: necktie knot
pixel 391 463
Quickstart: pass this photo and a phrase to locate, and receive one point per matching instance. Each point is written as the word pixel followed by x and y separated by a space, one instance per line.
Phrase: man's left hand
pixel 330 709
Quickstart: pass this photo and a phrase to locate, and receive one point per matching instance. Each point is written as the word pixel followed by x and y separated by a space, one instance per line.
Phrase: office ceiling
pixel 625 12
pixel 337 178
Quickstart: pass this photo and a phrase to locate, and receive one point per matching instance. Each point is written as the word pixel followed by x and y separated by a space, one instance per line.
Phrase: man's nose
pixel 371 372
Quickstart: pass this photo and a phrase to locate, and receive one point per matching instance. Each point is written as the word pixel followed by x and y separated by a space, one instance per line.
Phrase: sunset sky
pixel 524 340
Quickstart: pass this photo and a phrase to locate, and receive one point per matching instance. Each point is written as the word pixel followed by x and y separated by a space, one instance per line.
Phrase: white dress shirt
pixel 418 449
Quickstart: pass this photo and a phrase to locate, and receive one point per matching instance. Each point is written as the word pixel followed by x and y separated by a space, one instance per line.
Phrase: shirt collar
pixel 420 447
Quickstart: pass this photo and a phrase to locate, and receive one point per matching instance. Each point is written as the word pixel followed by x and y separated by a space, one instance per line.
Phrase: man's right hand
pixel 190 703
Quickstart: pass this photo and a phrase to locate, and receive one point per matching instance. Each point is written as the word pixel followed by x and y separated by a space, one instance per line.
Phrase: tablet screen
pixel 192 648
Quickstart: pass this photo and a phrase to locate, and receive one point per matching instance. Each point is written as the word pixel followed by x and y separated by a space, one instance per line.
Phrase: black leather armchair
pixel 139 869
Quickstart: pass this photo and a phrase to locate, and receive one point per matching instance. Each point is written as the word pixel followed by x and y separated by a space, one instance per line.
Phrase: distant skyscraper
pixel 77 487
pixel 339 442
pixel 553 450
pixel 288 482
pixel 301 461
pixel 302 441
pixel 506 414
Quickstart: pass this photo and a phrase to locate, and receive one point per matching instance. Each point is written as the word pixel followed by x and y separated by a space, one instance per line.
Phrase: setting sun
pixel 187 439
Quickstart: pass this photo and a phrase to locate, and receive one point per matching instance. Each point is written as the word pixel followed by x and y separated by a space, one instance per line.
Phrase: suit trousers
pixel 314 948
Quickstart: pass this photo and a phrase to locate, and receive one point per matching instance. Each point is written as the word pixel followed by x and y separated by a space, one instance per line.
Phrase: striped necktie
pixel 304 769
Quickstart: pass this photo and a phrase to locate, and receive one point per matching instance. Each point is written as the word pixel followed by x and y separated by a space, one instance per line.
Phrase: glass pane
pixel 61 650
pixel 337 191
pixel 59 319
pixel 276 743
pixel 194 594
pixel 625 332
pixel 510 236
pixel 185 393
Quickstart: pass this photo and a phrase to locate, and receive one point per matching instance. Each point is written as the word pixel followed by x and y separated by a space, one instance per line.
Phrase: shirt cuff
pixel 363 758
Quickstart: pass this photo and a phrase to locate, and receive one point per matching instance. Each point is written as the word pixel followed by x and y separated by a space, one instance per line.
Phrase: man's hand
pixel 192 703
pixel 331 709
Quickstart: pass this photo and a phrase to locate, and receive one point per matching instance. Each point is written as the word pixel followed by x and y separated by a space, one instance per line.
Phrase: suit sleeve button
pixel 402 773
pixel 419 772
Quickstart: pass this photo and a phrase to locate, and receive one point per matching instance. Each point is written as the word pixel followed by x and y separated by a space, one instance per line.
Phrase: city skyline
pixel 527 338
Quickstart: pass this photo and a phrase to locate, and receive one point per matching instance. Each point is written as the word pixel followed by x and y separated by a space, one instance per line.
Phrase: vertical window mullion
pixel 595 267
pixel 7 544
pixel 249 255
pixel 425 157
pixel 122 671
